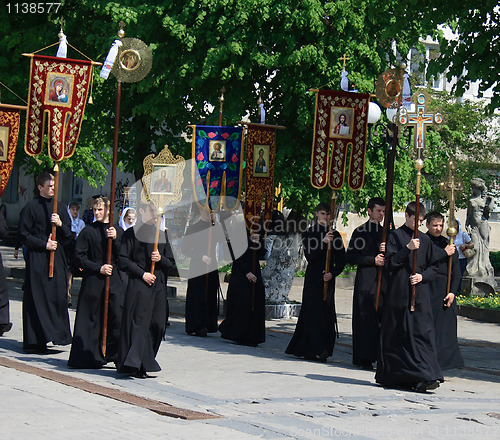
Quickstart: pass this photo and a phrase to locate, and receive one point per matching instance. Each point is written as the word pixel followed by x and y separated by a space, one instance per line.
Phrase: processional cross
pixel 420 120
pixel 451 186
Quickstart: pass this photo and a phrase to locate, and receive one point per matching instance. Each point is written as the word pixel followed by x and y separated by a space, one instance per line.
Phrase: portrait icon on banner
pixel 162 182
pixel 341 122
pixel 4 143
pixel 59 89
pixel 261 160
pixel 217 151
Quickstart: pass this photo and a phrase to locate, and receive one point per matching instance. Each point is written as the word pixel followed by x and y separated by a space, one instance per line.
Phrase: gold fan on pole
pixel 133 62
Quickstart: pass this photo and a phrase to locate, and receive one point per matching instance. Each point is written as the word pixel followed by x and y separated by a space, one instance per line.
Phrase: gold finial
pixel 259 101
pixel 222 91
pixel 121 32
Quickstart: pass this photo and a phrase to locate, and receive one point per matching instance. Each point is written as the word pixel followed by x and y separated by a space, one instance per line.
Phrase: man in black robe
pixel 5 324
pixel 246 298
pixel 144 310
pixel 314 336
pixel 45 306
pixel 203 286
pixel 444 305
pixel 407 353
pixel 91 250
pixel 365 251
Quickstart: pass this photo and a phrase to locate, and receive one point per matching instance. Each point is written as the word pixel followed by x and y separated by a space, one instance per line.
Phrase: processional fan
pixel 129 60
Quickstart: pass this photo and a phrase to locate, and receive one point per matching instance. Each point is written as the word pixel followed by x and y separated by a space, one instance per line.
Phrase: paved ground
pixel 253 392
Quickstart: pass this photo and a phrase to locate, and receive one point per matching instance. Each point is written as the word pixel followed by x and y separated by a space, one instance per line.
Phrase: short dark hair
pixel 412 207
pixel 43 178
pixel 375 201
pixel 71 204
pixel 434 215
pixel 323 207
pixel 101 201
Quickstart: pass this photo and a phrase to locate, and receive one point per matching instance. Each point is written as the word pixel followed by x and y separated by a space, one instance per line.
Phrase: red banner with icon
pixel 57 96
pixel 340 123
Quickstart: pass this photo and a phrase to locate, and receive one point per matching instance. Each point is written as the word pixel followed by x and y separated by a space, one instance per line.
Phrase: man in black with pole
pixel 365 251
pixel 407 355
pixel 444 306
pixel 45 305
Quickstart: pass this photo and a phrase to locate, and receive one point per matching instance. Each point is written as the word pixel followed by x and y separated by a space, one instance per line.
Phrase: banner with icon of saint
pixel 340 123
pixel 9 132
pixel 260 157
pixel 217 165
pixel 57 96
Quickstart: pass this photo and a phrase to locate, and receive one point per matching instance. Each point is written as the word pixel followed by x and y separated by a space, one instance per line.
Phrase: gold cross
pixel 344 58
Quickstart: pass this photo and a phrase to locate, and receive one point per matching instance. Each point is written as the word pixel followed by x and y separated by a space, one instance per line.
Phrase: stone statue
pixel 479 268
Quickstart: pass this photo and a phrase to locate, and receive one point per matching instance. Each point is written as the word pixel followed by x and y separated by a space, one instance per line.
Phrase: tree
pixel 276 49
pixel 473 54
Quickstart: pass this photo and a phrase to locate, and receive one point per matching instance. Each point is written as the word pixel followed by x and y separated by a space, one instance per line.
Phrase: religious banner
pixel 58 93
pixel 340 122
pixel 260 157
pixel 217 165
pixel 9 132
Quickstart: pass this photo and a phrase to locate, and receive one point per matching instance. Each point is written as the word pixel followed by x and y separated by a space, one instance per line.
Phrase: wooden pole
pixel 54 211
pixel 419 164
pixel 389 190
pixel 111 215
pixel 157 237
pixel 329 248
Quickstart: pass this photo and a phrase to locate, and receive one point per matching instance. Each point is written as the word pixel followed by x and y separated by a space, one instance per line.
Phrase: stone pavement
pixel 253 392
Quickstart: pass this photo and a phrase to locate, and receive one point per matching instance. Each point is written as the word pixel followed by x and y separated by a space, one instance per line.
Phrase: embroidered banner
pixel 260 157
pixel 340 122
pixel 58 93
pixel 9 132
pixel 217 165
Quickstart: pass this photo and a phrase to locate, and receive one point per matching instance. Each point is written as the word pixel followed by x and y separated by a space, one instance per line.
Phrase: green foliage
pixel 473 53
pixel 276 49
pixel 495 260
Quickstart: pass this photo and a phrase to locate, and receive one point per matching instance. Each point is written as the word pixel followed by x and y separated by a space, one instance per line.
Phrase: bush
pixel 495 260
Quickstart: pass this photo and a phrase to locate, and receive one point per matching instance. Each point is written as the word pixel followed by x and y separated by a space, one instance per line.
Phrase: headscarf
pixel 122 223
pixel 76 223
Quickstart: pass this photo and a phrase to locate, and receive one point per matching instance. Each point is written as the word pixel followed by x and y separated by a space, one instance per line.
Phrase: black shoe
pixel 323 356
pixel 367 366
pixel 422 387
pixel 202 332
pixel 4 328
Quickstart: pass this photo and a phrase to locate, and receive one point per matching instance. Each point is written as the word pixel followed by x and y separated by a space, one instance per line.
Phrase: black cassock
pixel 144 309
pixel 91 250
pixel 445 318
pixel 202 288
pixel 246 301
pixel 315 333
pixel 407 353
pixel 363 247
pixel 4 294
pixel 45 302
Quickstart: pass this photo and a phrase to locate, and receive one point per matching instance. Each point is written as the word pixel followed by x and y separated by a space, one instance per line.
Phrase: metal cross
pixel 420 120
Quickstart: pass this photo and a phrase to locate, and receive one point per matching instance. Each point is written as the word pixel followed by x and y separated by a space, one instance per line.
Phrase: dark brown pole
pixel 54 211
pixel 389 189
pixel 329 248
pixel 111 214
pixel 419 164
